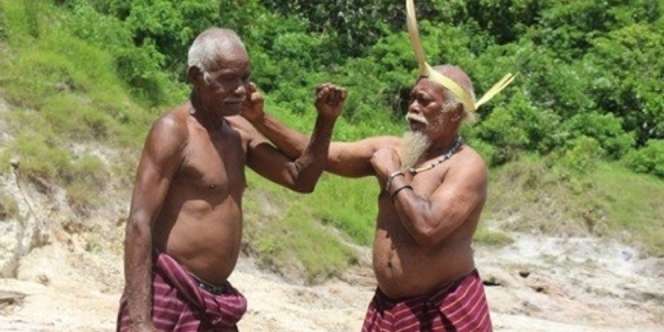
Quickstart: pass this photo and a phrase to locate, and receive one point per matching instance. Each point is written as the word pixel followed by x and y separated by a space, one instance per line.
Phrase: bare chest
pixel 214 163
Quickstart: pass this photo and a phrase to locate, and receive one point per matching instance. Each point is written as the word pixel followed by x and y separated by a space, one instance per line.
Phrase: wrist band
pixel 394 194
pixel 391 177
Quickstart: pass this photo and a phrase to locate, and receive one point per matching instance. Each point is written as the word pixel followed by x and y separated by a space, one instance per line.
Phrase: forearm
pixel 413 210
pixel 311 163
pixel 291 142
pixel 138 272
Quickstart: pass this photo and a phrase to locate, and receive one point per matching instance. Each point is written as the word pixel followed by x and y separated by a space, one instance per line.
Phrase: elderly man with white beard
pixel 433 189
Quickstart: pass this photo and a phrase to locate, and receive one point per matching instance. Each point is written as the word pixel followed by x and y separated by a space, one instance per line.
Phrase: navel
pixel 212 186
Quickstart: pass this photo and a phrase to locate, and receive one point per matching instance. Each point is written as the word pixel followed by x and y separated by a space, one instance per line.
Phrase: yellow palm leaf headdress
pixel 427 71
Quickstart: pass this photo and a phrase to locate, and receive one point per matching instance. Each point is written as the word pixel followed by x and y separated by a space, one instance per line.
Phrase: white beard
pixel 413 146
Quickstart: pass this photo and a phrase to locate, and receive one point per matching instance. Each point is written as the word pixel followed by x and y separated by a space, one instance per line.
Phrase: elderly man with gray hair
pixel 185 225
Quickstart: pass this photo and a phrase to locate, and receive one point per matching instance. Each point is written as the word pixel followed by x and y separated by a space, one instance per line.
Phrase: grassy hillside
pixel 611 201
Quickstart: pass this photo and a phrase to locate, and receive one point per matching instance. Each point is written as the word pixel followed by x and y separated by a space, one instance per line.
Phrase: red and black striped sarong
pixel 179 303
pixel 459 306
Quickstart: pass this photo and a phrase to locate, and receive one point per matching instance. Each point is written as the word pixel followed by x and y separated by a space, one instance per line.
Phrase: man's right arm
pixel 346 159
pixel 160 160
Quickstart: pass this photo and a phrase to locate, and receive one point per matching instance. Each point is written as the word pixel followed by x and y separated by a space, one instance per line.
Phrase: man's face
pixel 425 113
pixel 224 87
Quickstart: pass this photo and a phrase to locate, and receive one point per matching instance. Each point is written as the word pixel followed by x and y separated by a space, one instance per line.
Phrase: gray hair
pixel 451 103
pixel 207 47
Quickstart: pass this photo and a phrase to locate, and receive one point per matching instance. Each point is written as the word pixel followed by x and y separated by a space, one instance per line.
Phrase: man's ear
pixel 457 115
pixel 195 75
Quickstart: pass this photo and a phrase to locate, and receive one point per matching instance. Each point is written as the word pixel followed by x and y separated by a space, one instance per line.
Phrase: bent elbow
pixel 304 188
pixel 426 237
pixel 305 184
pixel 307 190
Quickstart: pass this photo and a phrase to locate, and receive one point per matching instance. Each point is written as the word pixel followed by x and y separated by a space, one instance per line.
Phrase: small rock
pixel 120 221
pixel 9 298
pixel 43 279
pixel 539 289
pixel 530 307
pixel 491 281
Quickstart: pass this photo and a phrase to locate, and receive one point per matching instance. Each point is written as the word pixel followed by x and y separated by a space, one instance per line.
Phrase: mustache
pixel 416 118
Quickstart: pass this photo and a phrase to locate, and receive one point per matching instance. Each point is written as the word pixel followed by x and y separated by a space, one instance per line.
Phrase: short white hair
pixel 207 47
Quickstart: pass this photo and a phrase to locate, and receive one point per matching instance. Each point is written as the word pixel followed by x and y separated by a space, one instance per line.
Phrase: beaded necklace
pixel 454 149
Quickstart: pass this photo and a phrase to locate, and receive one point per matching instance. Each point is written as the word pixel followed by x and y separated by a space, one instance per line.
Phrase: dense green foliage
pixel 586 68
pixel 588 90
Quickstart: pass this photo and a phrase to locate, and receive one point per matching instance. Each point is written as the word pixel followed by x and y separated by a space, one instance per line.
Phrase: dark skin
pixel 423 236
pixel 187 199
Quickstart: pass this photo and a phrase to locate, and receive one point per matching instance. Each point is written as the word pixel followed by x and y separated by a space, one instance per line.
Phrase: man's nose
pixel 415 107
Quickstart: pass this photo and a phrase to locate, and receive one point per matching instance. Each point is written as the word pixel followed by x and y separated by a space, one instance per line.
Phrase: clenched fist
pixel 330 100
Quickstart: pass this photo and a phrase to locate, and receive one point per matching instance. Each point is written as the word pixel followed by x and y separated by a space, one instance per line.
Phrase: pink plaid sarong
pixel 459 306
pixel 180 302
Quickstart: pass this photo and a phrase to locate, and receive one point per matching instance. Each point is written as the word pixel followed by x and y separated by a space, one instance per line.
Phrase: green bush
pixel 505 20
pixel 355 24
pixel 139 63
pixel 649 159
pixel 152 35
pixel 518 126
pixel 604 128
pixel 626 67
pixel 581 155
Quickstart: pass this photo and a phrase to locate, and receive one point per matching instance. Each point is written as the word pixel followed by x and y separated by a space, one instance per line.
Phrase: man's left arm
pixel 302 174
pixel 430 220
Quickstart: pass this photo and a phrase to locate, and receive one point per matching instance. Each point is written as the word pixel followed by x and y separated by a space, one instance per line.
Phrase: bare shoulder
pixel 470 166
pixel 174 122
pixel 169 132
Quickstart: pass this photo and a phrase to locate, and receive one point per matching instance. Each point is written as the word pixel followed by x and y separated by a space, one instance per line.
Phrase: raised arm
pixel 345 159
pixel 430 220
pixel 303 173
pixel 160 160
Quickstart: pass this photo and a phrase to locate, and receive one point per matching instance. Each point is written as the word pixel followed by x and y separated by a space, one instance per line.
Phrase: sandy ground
pixel 536 284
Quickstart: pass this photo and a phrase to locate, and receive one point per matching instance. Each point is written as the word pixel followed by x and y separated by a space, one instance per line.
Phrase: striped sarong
pixel 180 303
pixel 459 306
